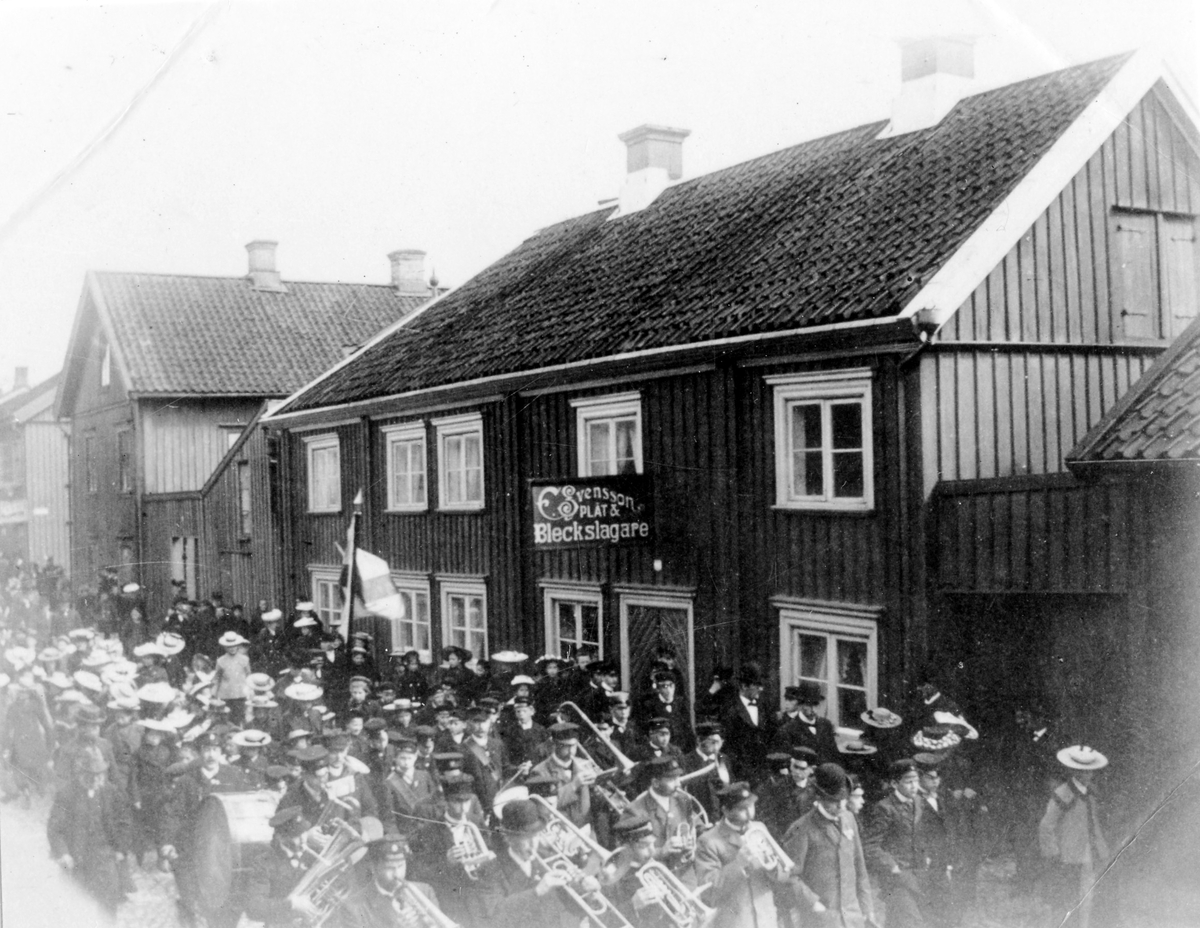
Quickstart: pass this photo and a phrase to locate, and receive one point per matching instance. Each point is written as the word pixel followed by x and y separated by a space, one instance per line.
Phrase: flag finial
pixel 358 498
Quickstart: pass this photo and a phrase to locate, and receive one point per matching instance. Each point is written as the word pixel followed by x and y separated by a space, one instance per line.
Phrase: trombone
pixel 624 763
pixel 568 840
pixel 595 906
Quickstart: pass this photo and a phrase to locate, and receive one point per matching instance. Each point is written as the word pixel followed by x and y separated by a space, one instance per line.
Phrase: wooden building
pixel 165 377
pixel 33 476
pixel 744 414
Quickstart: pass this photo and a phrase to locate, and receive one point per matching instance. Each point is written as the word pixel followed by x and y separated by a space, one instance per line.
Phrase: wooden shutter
pixel 1179 254
pixel 1137 276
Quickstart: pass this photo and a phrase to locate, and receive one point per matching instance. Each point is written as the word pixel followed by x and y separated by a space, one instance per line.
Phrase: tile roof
pixel 218 335
pixel 846 227
pixel 1158 418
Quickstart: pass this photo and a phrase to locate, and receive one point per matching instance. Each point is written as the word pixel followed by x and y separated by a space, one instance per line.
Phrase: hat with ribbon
pixel 231 639
pixel 1081 757
pixel 935 738
pixel 880 717
pixel 170 643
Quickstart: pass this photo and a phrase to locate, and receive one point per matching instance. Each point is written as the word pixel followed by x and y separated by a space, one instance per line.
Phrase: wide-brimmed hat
pixel 462 653
pixel 98 657
pixel 158 725
pixel 160 693
pixel 957 724
pixel 303 692
pixel 305 621
pixel 1081 757
pixel 179 718
pixel 251 738
pixel 510 657
pixel 170 643
pixel 88 681
pixel 60 680
pixel 935 738
pixel 880 717
pixel 272 615
pixel 231 639
pixel 124 704
pixel 305 606
pixel 521 817
pixel 147 648
pixel 856 747
pixel 260 682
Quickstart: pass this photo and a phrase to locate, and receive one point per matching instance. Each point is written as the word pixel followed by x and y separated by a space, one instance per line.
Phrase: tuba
pixel 682 906
pixel 466 835
pixel 326 883
pixel 765 849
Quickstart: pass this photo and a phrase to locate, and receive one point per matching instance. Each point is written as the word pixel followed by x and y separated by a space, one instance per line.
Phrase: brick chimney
pixel 408 272
pixel 263 275
pixel 935 73
pixel 653 159
pixel 20 379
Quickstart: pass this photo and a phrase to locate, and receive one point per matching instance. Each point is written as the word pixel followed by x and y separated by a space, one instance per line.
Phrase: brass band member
pixel 438 853
pixel 672 816
pixel 574 774
pixel 742 887
pixel 709 741
pixel 407 790
pixel 378 896
pixel 638 903
pixel 786 799
pixel 275 874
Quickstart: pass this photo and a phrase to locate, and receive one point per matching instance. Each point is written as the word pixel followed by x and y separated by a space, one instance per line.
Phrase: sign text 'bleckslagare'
pixel 593 511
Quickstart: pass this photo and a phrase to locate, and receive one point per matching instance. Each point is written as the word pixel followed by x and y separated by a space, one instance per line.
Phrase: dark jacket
pixel 831 866
pixel 746 742
pixel 796 732
pixel 272 876
pixel 507 898
pixel 92 829
pixel 891 835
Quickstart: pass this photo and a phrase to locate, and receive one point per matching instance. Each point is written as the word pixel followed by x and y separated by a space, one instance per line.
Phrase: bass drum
pixel 231 829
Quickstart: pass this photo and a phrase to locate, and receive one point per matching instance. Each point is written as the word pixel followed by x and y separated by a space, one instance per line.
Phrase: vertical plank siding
pixel 47 476
pixel 184 442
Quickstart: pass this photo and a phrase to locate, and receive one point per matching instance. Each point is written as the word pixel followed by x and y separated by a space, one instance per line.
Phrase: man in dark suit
pixel 786 799
pixel 275 874
pixel 666 703
pixel 485 757
pixel 378 897
pixel 657 744
pixel 440 853
pixel 593 699
pixel 625 732
pixel 709 741
pixel 806 728
pixel 407 792
pixel 892 844
pixel 747 725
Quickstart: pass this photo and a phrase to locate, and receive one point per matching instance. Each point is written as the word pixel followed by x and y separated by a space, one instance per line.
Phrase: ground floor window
pixel 650 621
pixel 573 619
pixel 327 595
pixel 183 565
pixel 464 615
pixel 413 632
pixel 836 647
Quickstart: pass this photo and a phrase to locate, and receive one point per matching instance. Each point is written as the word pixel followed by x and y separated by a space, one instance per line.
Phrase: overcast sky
pixel 162 137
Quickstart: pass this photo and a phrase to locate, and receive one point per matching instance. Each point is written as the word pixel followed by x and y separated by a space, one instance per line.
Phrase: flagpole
pixel 351 547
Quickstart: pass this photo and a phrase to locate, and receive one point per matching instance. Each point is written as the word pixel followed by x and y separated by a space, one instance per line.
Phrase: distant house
pixel 164 375
pixel 33 475
pixel 812 410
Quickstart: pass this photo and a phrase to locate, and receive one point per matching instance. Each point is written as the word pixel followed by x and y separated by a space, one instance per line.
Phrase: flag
pixel 375 589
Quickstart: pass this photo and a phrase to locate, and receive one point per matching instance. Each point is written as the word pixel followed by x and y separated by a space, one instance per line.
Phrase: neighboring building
pixel 164 375
pixel 786 370
pixel 34 443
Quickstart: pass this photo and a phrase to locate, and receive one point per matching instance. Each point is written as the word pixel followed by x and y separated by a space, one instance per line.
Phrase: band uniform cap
pixel 375 724
pixel 478 714
pixel 708 730
pixel 389 847
pixel 455 713
pixel 402 741
pixel 272 615
pixel 805 754
pixel 935 738
pixel 231 640
pixel 491 703
pixel 665 766
pixel 448 760
pixel 618 698
pixel 458 785
pixel 830 781
pixel 207 739
pixel 734 794
pixel 359 678
pixel 305 621
pixel 901 766
pixel 252 738
pixel 170 643
pixel 289 821
pixel 564 731
pixel 880 717
pixel 279 772
pixel 658 724
pixel 663 676
pixel 542 785
pixel 424 732
pixel 521 817
pixel 1081 757
pixel 88 680
pixel 303 692
pixel 521 701
pixel 309 756
pixel 338 741
pixel 632 827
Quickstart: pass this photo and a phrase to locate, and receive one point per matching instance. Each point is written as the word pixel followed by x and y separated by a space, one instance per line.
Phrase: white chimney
pixel 935 73
pixel 263 275
pixel 21 378
pixel 408 272
pixel 653 158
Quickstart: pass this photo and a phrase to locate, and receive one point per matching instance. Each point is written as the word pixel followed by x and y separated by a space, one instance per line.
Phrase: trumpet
pixel 476 853
pixel 765 849
pixel 567 839
pixel 595 906
pixel 682 906
pixel 429 914
pixel 624 762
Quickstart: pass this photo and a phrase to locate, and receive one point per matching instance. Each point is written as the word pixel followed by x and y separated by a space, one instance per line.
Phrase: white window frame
pixel 448 588
pixel 826 388
pixel 551 594
pixel 594 408
pixel 312 445
pixel 410 586
pixel 325 577
pixel 455 427
pixel 396 436
pixel 837 621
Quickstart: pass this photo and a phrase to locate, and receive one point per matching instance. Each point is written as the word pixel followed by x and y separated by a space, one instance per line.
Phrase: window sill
pixel 462 508
pixel 830 508
pixel 406 510
pixel 324 512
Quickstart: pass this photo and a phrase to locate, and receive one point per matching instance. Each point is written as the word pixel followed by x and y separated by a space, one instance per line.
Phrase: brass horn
pixel 625 763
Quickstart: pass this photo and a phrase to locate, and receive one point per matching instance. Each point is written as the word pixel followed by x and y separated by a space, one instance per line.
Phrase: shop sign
pixel 592 512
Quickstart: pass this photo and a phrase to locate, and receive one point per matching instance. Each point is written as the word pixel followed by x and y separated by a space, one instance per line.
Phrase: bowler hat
pixel 521 817
pixel 750 674
pixel 830 782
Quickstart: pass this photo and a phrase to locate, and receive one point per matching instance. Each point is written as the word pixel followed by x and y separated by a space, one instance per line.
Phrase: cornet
pixel 681 905
pixel 765 849
pixel 466 835
pixel 428 914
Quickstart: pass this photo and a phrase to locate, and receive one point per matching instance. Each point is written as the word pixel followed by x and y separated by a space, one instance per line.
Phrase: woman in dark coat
pixel 29 738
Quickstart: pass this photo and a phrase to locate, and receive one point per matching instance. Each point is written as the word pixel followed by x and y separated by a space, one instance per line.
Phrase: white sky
pixel 347 129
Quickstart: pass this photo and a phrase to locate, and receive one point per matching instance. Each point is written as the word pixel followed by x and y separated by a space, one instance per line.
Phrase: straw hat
pixel 170 643
pixel 935 738
pixel 1081 757
pixel 881 718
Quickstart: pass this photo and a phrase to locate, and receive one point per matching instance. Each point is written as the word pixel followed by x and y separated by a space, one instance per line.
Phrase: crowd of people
pixel 510 792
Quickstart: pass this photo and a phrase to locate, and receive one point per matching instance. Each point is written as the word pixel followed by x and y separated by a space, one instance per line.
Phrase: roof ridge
pixel 226 277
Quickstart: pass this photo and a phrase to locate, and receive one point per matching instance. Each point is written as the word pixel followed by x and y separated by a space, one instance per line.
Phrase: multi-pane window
pixel 125 460
pixel 823 450
pixel 609 430
pixel 90 480
pixel 572 621
pixel 407 487
pixel 327 595
pixel 838 652
pixel 464 616
pixel 413 632
pixel 324 474
pixel 1156 283
pixel 460 461
pixel 245 522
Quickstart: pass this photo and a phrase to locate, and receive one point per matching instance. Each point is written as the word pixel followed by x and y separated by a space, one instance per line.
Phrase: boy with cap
pixel 657 744
pixel 637 846
pixel 1071 837
pixel 89 831
pixel 406 790
pixel 892 845
pixel 825 846
pixel 666 703
pixel 743 892
pixel 786 799
pixel 380 895
pixel 574 775
pixel 274 875
pixel 438 854
pixel 525 738
pixel 709 741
